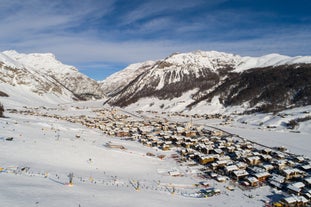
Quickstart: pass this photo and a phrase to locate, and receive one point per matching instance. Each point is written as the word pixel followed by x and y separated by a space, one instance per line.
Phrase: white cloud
pixel 54 26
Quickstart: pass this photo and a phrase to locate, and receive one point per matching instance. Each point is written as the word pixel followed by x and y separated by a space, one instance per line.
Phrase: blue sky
pixel 100 37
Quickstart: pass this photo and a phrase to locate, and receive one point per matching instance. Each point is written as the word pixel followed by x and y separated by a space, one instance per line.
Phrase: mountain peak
pixel 40 61
pixel 42 76
pixel 194 79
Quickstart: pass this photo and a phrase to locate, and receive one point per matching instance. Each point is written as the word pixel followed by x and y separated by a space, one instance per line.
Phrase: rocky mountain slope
pixel 116 81
pixel 210 78
pixel 44 76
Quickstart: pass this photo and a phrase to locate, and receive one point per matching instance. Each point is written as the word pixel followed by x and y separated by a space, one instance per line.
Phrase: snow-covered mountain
pixel 114 83
pixel 205 80
pixel 41 76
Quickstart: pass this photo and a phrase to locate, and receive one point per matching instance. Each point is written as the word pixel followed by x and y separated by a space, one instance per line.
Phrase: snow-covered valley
pixel 35 164
pixel 204 130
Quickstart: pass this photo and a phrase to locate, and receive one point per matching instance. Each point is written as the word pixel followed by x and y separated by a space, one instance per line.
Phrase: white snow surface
pixel 32 79
pixel 269 60
pixel 203 59
pixel 103 176
pixel 40 62
pixel 179 66
pixel 125 76
pixel 212 60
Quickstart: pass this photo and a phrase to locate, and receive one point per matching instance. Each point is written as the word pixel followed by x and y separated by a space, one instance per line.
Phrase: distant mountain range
pixel 33 77
pixel 198 82
pixel 213 82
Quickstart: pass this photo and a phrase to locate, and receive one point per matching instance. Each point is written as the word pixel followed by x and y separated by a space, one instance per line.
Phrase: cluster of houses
pixel 223 156
pixel 196 116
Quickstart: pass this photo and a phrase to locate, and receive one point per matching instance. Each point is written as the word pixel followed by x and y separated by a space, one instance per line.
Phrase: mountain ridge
pixel 205 72
pixel 42 75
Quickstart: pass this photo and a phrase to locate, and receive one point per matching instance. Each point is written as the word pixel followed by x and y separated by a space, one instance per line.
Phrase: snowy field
pixel 36 164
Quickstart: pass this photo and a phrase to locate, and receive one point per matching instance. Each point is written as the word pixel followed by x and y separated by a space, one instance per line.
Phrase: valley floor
pixel 36 162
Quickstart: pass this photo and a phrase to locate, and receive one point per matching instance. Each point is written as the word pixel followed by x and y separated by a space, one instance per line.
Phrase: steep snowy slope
pixel 31 77
pixel 176 74
pixel 65 75
pixel 116 81
pixel 211 74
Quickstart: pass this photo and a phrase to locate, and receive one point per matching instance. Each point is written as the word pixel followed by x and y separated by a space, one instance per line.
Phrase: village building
pixel 266 157
pixel 307 182
pixel 280 164
pixel 262 176
pixel 231 168
pixel 241 165
pixel 306 168
pixel 239 174
pixel 295 201
pixel 205 159
pixel 254 182
pixel 254 160
pixel 277 180
pixel 291 173
pixel 295 188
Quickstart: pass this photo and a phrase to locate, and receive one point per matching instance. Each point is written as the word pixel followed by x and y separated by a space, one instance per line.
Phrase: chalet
pixel 291 173
pixel 247 145
pixel 228 141
pixel 191 133
pixel 254 160
pixel 229 149
pixel 307 181
pixel 255 169
pixel 265 158
pixel 267 167
pixel 217 133
pixel 145 129
pixel 280 164
pixel 180 130
pixel 294 201
pixel 202 148
pixel 186 144
pixel 114 146
pixel 165 147
pixel 174 173
pixel 239 174
pixel 278 155
pixel 230 168
pixel 218 151
pixel 307 194
pixel 306 168
pixel 295 188
pixel 222 163
pixel 252 181
pixel 278 178
pixel 262 176
pixel 152 144
pixel 221 179
pixel 241 165
pixel 299 159
pixel 123 132
pixel 236 154
pixel 203 160
pixel 266 151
